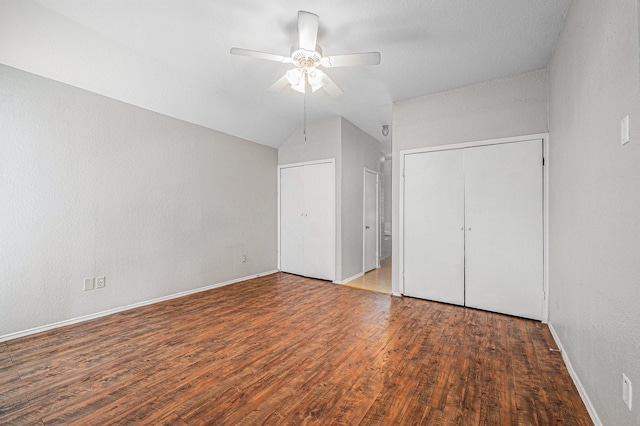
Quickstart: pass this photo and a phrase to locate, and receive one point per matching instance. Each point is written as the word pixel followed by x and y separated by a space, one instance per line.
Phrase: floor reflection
pixel 378 280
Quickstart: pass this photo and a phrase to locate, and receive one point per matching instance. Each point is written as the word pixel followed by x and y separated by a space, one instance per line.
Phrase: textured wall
pixel 595 202
pixel 323 141
pixel 359 150
pixel 501 108
pixel 92 186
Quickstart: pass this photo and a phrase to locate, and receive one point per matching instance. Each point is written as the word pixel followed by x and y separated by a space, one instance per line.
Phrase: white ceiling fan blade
pixel 330 87
pixel 351 60
pixel 279 85
pixel 260 55
pixel 307 30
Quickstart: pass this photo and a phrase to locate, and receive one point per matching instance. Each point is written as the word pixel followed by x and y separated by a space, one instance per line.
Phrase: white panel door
pixel 433 226
pixel 319 219
pixel 292 220
pixel 370 216
pixel 504 234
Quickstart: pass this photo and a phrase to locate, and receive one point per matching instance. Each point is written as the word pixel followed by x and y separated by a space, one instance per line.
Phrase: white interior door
pixel 370 215
pixel 319 219
pixel 433 233
pixel 292 220
pixel 504 228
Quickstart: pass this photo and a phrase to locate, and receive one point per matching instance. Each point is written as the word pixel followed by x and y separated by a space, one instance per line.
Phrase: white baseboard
pixel 42 328
pixel 393 293
pixel 576 380
pixel 349 279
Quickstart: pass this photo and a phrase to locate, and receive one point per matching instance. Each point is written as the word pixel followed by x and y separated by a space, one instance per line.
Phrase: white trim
pixel 472 144
pixel 358 275
pixel 83 318
pixel 400 235
pixel 306 163
pixel 278 218
pixel 545 177
pixel 576 380
pixel 335 225
pixel 545 228
pixel 364 187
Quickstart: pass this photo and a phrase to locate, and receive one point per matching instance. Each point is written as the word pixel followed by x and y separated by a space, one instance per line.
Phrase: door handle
pixel 366 227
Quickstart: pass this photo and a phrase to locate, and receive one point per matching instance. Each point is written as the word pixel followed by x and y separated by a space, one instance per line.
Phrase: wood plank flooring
pixel 282 349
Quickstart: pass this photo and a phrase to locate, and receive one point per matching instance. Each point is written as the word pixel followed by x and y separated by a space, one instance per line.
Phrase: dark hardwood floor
pixel 287 350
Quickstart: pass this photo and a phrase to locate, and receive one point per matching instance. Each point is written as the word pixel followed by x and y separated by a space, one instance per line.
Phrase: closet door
pixel 307 220
pixel 292 220
pixel 433 233
pixel 504 235
pixel 319 219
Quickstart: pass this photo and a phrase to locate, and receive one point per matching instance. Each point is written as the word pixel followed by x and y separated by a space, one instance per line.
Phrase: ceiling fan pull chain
pixel 304 96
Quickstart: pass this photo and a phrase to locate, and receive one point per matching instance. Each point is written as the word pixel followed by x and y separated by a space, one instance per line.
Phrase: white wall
pixel 323 141
pixel 359 150
pixel 92 186
pixel 594 81
pixel 507 107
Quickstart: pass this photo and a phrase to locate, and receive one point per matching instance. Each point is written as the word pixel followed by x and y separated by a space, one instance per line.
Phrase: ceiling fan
pixel 307 57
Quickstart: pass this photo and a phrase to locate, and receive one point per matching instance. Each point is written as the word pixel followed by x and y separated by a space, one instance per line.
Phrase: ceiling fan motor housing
pixel 306 58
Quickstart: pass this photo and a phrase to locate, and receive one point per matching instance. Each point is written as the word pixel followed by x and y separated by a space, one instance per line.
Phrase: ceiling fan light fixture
pixel 306 55
pixel 297 80
pixel 315 78
pixel 295 76
pixel 300 87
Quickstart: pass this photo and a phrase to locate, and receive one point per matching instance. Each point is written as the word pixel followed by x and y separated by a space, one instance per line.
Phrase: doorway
pixel 370 232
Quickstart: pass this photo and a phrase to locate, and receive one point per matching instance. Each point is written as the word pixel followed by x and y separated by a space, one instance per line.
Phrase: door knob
pixel 469 229
pixel 366 227
pixel 462 228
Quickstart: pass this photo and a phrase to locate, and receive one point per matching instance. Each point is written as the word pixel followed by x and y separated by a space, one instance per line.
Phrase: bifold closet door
pixel 433 252
pixel 307 217
pixel 319 217
pixel 504 228
pixel 292 220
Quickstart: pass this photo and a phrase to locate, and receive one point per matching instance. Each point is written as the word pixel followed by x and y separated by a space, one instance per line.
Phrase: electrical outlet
pixel 243 258
pixel 89 283
pixel 100 282
pixel 627 391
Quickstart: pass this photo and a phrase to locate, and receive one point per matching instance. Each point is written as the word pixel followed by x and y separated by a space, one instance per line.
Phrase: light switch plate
pixel 624 130
pixel 89 283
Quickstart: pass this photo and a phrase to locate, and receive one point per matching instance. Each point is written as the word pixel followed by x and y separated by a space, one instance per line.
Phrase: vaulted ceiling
pixel 172 56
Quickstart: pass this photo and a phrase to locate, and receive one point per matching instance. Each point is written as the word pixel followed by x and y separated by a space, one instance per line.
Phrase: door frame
pixel 545 205
pixel 364 214
pixel 333 206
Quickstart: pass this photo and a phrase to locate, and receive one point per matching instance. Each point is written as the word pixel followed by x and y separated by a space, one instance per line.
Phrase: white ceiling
pixel 172 56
